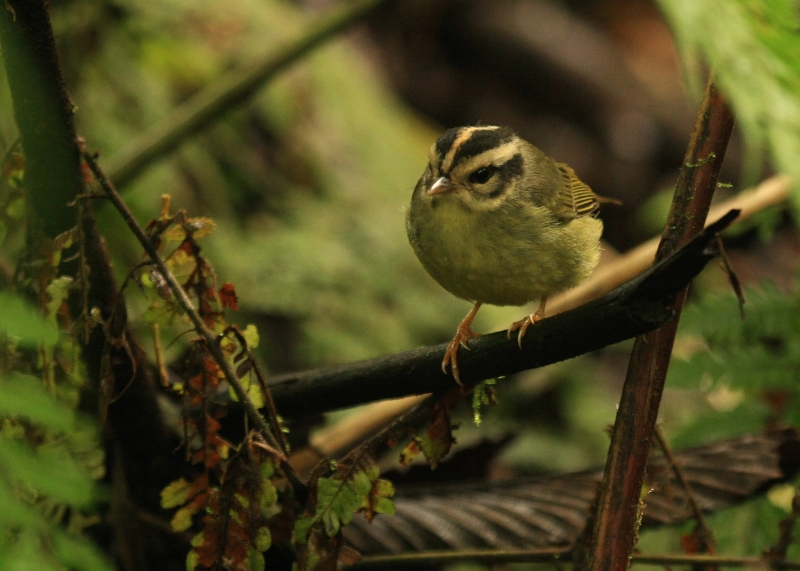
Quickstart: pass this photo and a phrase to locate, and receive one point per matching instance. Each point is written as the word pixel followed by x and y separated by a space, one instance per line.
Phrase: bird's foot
pixel 463 334
pixel 526 322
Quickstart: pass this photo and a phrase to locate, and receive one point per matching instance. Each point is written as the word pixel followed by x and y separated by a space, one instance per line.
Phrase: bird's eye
pixel 482 175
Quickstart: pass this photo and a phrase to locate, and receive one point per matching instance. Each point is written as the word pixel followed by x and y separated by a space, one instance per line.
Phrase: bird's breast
pixel 502 259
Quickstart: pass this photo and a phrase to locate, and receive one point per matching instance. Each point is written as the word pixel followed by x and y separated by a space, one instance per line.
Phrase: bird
pixel 495 220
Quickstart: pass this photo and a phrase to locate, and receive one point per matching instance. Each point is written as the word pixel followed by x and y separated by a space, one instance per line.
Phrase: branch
pixel 221 96
pixel 43 113
pixel 334 440
pixel 204 333
pixel 639 306
pixel 552 555
pixel 618 506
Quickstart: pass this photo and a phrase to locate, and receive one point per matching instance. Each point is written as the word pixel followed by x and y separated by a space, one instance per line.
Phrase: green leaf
pixel 754 48
pixel 16 513
pixel 267 470
pixel 251 336
pixel 24 396
pixel 58 291
pixel 26 553
pixel 383 488
pixel 78 553
pixel 256 395
pixel 338 501
pixel 182 520
pixel 175 494
pixel 263 539
pixel 482 395
pixel 384 506
pixel 24 323
pixel 256 560
pixel 73 485
pixel 434 449
pixel 301 528
pixel 268 495
pixel 331 522
pixel 192 560
pixel 16 209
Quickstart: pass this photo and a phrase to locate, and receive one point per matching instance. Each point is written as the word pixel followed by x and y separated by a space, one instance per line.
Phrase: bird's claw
pixel 463 334
pixel 523 325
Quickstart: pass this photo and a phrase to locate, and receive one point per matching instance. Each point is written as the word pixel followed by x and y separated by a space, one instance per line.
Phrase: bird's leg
pixel 524 323
pixel 463 334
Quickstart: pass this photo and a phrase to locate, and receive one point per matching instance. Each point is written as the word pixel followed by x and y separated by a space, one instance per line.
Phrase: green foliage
pixel 754 47
pixel 20 321
pixel 307 182
pixel 338 499
pixel 175 494
pixel 748 369
pixel 437 438
pixel 354 487
pixel 48 462
pixel 483 395
pixel 740 531
pixel 23 397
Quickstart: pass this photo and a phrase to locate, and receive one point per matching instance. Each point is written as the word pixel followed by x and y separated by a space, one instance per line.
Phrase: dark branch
pixel 641 305
pixel 555 556
pixel 614 530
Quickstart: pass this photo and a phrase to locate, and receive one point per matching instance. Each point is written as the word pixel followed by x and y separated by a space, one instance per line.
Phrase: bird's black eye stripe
pixel 482 175
pixel 512 168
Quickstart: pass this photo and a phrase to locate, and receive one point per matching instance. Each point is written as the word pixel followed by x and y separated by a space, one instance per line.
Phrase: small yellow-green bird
pixel 495 220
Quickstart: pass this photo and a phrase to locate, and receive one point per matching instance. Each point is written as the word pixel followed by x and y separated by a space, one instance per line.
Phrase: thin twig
pixel 475 556
pixel 205 334
pixel 335 440
pixel 616 524
pixel 262 381
pixel 705 534
pixel 777 552
pixel 736 285
pixel 228 92
pixel 552 555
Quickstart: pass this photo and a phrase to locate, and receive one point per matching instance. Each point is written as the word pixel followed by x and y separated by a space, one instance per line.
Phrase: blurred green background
pixel 308 181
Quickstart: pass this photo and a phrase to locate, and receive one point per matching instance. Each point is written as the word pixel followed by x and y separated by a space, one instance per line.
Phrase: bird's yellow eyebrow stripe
pixel 497 157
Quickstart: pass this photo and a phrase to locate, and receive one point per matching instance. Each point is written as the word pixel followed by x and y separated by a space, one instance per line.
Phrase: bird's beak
pixel 442 185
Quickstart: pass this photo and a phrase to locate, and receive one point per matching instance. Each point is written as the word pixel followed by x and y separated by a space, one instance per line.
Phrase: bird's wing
pixel 574 198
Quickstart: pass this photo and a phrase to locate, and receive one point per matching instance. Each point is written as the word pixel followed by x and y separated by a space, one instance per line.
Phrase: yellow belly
pixel 505 259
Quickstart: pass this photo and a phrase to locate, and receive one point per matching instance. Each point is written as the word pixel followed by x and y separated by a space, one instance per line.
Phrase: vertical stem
pixel 615 529
pixel 43 112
